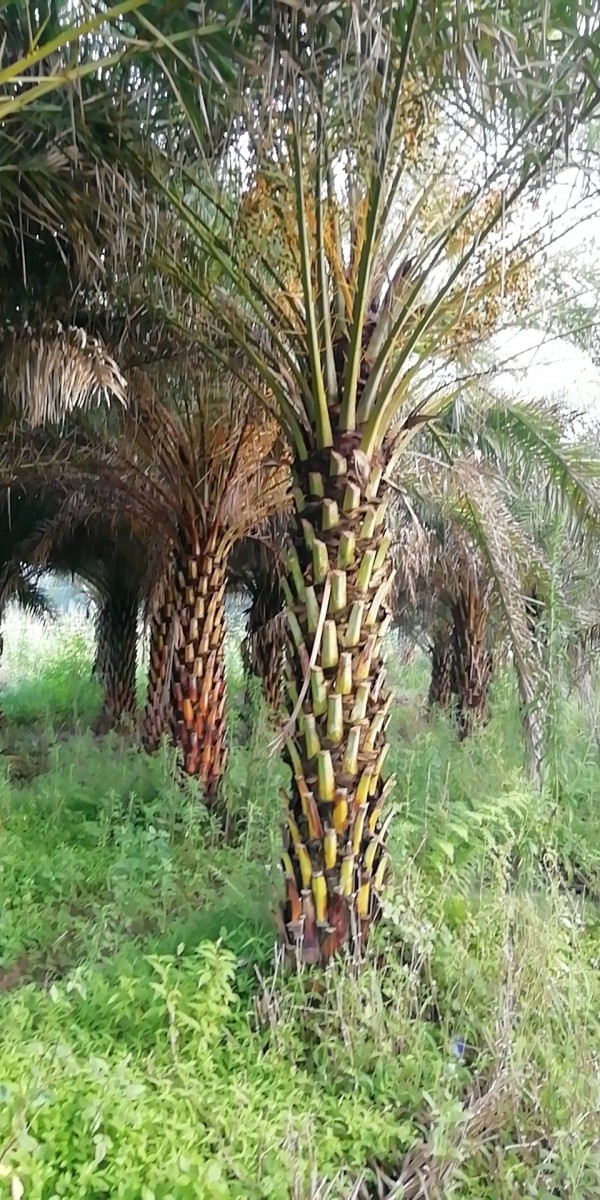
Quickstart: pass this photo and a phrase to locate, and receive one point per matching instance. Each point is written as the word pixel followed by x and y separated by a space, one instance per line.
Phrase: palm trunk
pixel 442 665
pixel 472 668
pixel 263 648
pixel 157 717
pixel 116 657
pixel 339 578
pixel 198 689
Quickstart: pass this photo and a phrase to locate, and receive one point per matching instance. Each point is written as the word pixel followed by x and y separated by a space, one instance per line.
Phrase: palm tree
pixel 345 282
pixel 487 483
pixel 449 596
pixel 18 583
pixel 70 261
pixel 468 590
pixel 213 463
pixel 76 260
pixel 119 581
pixel 67 180
pixel 191 474
pixel 191 462
pixel 120 569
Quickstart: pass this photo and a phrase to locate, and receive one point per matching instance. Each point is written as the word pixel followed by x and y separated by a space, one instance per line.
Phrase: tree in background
pixel 346 284
pixel 189 475
pixel 346 278
pixel 119 570
pixel 474 548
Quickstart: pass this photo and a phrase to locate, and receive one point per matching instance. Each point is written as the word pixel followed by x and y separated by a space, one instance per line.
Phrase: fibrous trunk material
pixel 263 648
pixel 442 666
pixel 338 580
pixel 116 657
pixel 472 666
pixel 198 687
pixel 158 712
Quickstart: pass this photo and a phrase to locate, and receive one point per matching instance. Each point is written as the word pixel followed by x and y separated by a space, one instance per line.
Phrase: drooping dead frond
pixel 465 562
pixel 51 372
pixel 412 551
pixel 216 454
pixel 424 1173
pixel 22 584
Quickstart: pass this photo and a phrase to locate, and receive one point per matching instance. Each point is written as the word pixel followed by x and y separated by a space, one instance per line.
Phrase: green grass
pixel 151 1044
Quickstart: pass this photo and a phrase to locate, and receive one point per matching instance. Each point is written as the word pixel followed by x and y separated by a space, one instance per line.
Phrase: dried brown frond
pixel 215 453
pixel 75 530
pixel 191 455
pixel 412 553
pixel 47 373
pixel 426 1174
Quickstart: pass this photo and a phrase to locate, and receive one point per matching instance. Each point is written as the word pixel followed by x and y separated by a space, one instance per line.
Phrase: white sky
pixel 551 367
pixel 540 362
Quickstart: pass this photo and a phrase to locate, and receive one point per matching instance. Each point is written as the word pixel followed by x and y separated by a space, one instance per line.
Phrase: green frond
pixel 532 439
pixel 23 47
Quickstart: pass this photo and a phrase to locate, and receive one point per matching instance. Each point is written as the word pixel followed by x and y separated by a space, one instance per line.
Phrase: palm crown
pixel 309 256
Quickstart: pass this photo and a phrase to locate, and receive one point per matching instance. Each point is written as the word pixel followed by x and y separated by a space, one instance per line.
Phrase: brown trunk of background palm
pixel 157 717
pixel 339 574
pixel 442 668
pixel 198 685
pixel 263 648
pixel 116 658
pixel 472 666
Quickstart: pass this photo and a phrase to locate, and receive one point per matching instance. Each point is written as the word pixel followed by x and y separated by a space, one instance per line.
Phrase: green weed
pixel 151 1043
